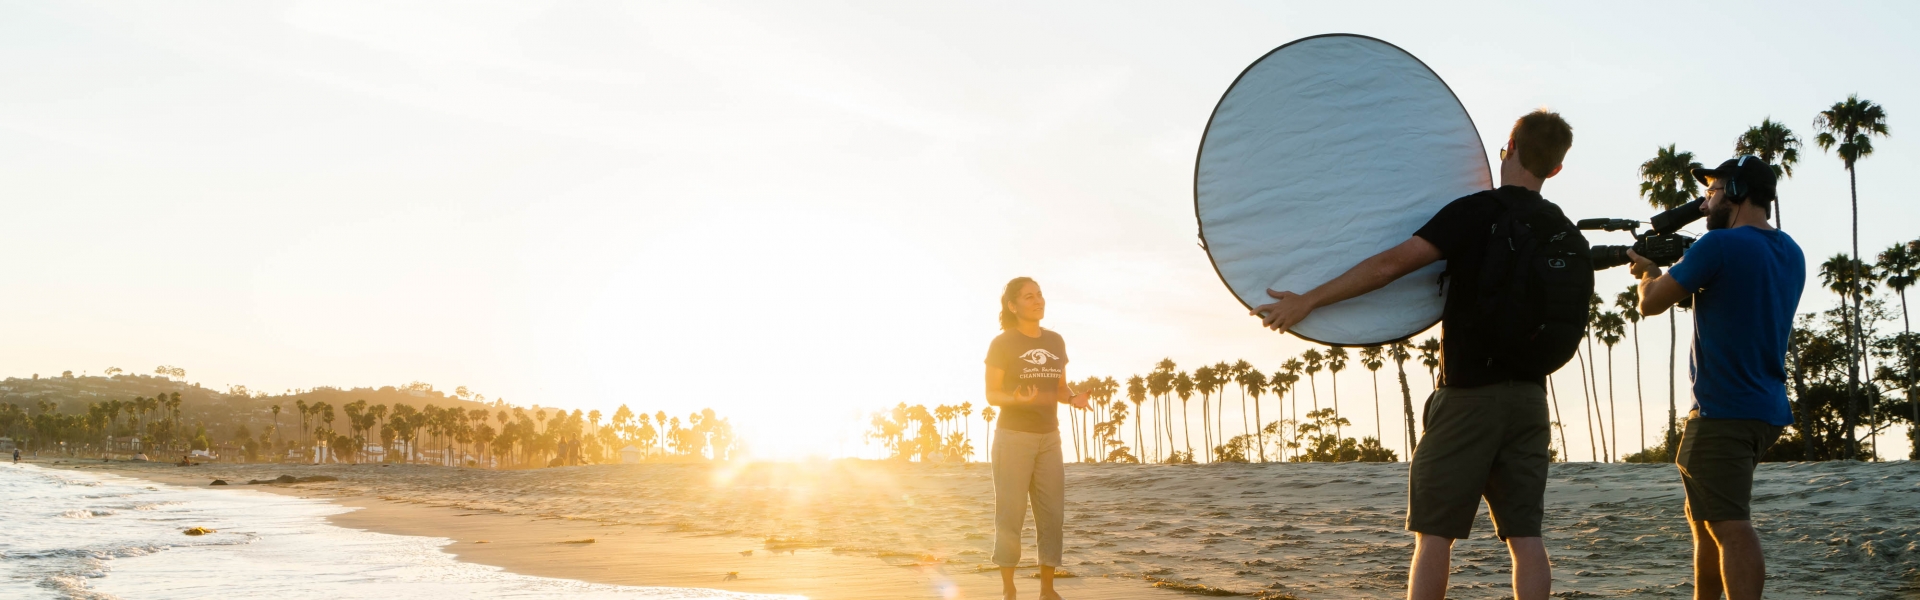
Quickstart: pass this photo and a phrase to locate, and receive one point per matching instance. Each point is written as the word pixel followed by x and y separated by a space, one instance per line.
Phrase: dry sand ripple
pixel 1311 530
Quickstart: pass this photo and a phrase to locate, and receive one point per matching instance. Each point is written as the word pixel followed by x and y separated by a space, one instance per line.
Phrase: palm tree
pixel 1222 375
pixel 1205 382
pixel 1771 141
pixel 1239 370
pixel 1336 362
pixel 276 425
pixel 1611 329
pixel 1587 402
pixel 1289 377
pixel 1183 385
pixel 661 439
pixel 1629 303
pixel 1137 394
pixel 1901 266
pixel 1849 127
pixel 1593 377
pixel 1399 351
pixel 1553 396
pixel 301 405
pixel 1315 362
pixel 966 425
pixel 1160 383
pixel 1073 423
pixel 1253 383
pixel 1108 389
pixel 1430 358
pixel 1667 182
pixel 1845 276
pixel 987 414
pixel 1370 357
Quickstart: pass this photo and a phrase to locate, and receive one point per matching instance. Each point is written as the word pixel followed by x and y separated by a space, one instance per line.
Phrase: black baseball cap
pixel 1755 176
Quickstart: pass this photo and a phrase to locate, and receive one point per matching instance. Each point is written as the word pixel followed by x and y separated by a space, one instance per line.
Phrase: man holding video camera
pixel 1487 426
pixel 1745 277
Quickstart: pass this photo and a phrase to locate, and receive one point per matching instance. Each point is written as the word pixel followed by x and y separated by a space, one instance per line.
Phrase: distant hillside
pixel 219 410
pixel 124 414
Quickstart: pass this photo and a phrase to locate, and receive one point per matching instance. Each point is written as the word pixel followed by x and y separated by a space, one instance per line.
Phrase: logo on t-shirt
pixel 1038 356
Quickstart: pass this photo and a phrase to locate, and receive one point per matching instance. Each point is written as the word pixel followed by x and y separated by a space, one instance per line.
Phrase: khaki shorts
pixel 1482 442
pixel 1716 459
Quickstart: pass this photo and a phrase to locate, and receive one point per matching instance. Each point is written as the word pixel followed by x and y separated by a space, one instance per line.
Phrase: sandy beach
pixel 854 529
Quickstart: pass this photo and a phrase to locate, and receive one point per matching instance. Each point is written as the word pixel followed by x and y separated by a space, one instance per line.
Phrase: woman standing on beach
pixel 1026 378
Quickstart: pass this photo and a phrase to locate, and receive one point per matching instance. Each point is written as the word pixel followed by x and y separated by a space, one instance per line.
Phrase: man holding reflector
pixel 1517 281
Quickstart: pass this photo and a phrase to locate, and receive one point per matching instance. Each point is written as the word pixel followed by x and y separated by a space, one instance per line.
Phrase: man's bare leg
pixel 1532 573
pixel 1706 563
pixel 1432 555
pixel 1743 568
pixel 1046 583
pixel 1006 584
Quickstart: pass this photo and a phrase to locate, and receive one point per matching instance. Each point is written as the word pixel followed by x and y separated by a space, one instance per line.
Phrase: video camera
pixel 1662 245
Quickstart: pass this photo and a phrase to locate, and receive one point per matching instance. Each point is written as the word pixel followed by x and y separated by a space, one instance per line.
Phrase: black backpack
pixel 1535 280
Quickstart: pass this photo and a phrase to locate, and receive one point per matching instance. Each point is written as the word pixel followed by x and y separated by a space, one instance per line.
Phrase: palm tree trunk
pixel 1553 396
pixel 1587 402
pixel 1164 421
pixel 1206 430
pixel 1376 409
pixel 1640 402
pixel 1337 433
pixel 1406 394
pixel 1159 427
pixel 1073 431
pixel 1244 433
pixel 1853 290
pixel 1611 416
pixel 1186 427
pixel 1220 419
pixel 1593 379
pixel 1137 439
pixel 1260 435
pixel 1673 364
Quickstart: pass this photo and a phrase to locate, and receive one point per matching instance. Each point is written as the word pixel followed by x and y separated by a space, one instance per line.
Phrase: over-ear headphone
pixel 1734 189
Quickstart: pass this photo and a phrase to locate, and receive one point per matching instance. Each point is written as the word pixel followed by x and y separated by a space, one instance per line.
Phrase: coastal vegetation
pixel 124 415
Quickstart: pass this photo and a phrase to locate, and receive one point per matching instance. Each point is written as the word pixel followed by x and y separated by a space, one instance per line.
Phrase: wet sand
pixel 856 529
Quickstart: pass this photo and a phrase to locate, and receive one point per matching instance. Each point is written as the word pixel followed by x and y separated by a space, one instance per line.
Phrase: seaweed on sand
pixel 1191 588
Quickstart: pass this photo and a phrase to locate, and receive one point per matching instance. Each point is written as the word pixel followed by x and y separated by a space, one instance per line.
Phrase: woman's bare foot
pixel 1049 595
pixel 1011 594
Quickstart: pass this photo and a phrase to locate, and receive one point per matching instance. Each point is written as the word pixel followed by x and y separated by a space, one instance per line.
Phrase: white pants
pixel 1027 467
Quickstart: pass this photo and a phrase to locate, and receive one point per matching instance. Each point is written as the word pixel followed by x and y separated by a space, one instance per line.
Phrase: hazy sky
pixel 795 213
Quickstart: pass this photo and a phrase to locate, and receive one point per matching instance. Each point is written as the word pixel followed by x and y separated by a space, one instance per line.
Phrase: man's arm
pixel 1371 274
pixel 1658 291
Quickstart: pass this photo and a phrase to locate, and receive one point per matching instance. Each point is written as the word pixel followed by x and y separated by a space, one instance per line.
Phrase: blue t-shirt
pixel 1747 284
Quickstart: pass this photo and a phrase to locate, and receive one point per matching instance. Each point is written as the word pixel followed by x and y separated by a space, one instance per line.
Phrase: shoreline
pixel 636 554
pixel 857 529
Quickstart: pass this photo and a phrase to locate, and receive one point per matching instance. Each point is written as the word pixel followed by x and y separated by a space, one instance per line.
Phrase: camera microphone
pixel 1673 220
pixel 1661 245
pixel 1608 224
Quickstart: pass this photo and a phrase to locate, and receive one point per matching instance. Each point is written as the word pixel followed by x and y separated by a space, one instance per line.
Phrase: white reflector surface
pixel 1326 151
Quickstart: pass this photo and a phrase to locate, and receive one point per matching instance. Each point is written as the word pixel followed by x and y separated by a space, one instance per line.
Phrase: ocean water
pixel 69 534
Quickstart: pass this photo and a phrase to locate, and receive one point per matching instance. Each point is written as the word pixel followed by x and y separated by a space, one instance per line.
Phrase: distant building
pixel 630 455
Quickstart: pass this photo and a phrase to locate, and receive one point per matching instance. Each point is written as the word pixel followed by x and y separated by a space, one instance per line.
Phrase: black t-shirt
pixel 1039 362
pixel 1460 231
